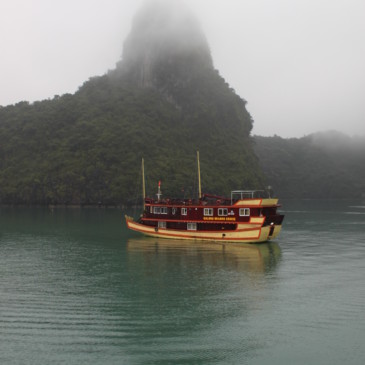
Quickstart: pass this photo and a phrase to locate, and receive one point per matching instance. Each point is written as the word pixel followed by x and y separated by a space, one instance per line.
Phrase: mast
pixel 143 185
pixel 199 182
pixel 159 192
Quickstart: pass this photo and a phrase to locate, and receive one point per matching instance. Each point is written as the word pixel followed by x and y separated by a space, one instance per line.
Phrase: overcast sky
pixel 300 64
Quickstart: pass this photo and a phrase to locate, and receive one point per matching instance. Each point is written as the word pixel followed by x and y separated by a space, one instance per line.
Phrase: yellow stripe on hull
pixel 247 234
pixel 257 220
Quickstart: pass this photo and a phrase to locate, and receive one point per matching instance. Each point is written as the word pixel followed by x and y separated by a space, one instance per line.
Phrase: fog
pixel 299 64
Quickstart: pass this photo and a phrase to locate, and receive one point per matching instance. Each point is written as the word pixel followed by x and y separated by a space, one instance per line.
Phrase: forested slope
pixel 163 101
pixel 322 165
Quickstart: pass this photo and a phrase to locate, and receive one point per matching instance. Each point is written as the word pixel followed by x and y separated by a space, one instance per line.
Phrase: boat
pixel 247 216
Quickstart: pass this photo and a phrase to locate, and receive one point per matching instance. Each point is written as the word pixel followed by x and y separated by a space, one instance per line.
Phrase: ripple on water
pixel 71 296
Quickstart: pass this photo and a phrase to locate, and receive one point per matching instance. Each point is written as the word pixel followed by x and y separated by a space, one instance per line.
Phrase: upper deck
pixel 239 198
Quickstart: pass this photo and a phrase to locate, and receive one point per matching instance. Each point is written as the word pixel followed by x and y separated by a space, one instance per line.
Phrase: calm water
pixel 77 288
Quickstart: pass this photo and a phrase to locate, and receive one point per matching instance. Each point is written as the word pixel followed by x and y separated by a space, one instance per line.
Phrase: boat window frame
pixel 244 212
pixel 221 212
pixel 184 211
pixel 162 224
pixel 160 210
pixel 191 226
pixel 208 212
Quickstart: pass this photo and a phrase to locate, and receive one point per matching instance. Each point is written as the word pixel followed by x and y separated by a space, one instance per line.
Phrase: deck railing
pixel 248 194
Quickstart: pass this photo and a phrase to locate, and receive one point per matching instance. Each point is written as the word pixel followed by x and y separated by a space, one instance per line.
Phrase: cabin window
pixel 191 227
pixel 160 210
pixel 173 211
pixel 208 211
pixel 222 212
pixel 161 224
pixel 244 212
pixel 184 211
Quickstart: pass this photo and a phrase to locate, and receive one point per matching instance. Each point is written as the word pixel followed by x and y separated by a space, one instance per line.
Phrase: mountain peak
pixel 164 35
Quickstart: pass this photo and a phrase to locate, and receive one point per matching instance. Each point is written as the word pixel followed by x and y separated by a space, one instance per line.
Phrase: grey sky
pixel 300 64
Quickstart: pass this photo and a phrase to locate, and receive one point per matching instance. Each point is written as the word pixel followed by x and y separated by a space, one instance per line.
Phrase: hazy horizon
pixel 299 65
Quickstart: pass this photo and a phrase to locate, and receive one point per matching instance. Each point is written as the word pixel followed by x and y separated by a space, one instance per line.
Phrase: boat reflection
pixel 259 258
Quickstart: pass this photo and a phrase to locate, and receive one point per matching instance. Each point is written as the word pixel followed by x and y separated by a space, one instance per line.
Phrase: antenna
pixel 143 185
pixel 199 182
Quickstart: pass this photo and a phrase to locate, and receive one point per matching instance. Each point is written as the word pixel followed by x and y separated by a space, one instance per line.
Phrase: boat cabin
pixel 210 212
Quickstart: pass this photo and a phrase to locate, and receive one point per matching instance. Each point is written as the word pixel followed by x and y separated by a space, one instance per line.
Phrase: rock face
pixel 167 52
pixel 165 36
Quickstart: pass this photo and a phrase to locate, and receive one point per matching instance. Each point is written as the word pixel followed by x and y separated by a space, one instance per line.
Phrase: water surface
pixel 76 287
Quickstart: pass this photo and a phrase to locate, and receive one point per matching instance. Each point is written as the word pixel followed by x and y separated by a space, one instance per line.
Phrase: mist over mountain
pixel 166 46
pixel 163 101
pixel 323 165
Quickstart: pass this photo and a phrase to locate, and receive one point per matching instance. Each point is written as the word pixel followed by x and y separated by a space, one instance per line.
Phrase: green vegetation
pixel 86 148
pixel 163 102
pixel 322 165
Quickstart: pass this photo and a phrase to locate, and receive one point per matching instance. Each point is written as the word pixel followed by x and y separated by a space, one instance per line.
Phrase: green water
pixel 77 288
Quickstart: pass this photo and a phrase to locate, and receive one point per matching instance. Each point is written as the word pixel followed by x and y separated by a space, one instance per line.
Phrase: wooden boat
pixel 246 216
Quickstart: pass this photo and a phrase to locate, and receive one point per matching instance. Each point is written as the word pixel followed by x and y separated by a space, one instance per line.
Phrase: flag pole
pixel 143 184
pixel 199 182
